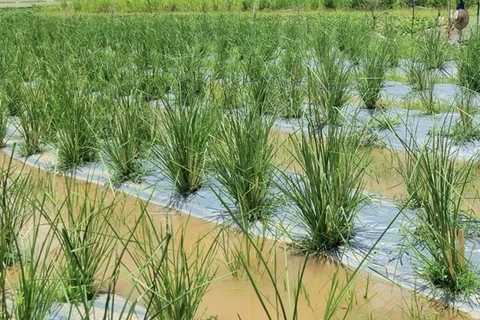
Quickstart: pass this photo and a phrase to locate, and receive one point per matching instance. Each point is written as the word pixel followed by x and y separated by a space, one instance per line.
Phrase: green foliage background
pixel 244 5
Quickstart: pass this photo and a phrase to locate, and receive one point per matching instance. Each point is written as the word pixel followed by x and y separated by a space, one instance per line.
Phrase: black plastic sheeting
pixel 391 258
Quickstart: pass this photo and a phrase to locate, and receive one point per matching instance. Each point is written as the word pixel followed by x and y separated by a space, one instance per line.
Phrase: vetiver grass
pixel 468 63
pixel 4 121
pixel 290 75
pixel 242 163
pixel 283 308
pixel 352 37
pixel 287 290
pixel 174 277
pixel 257 64
pixel 34 117
pixel 418 74
pixel 426 97
pixel 11 90
pixel 22 249
pixel 16 209
pixel 35 291
pixel 327 189
pixel 184 143
pixel 189 84
pixel 126 139
pixel 373 67
pixel 433 49
pixel 440 184
pixel 408 168
pixel 81 223
pixel 329 85
pixel 77 139
pixel 466 128
pixel 109 39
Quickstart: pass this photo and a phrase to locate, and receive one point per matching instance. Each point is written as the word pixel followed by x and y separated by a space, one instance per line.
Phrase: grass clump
pixel 11 91
pixel 426 97
pixel 329 85
pixel 433 49
pixel 35 119
pixel 76 140
pixel 257 64
pixel 174 277
pixel 439 187
pixel 189 86
pixel 372 71
pixel 466 128
pixel 81 223
pixel 183 144
pixel 126 139
pixel 469 63
pixel 418 74
pixel 243 163
pixel 327 190
pixel 352 36
pixel 290 81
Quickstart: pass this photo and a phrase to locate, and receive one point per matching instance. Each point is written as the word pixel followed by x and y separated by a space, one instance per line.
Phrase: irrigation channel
pixel 391 259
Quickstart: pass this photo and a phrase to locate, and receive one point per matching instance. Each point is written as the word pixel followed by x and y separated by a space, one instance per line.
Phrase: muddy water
pixel 231 297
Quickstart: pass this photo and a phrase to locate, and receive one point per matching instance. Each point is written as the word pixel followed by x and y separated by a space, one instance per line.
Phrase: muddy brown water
pixel 231 297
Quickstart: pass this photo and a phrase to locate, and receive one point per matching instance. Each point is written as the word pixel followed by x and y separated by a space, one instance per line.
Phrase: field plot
pixel 234 166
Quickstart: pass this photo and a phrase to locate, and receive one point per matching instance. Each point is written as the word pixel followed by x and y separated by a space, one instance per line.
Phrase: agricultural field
pixel 238 166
